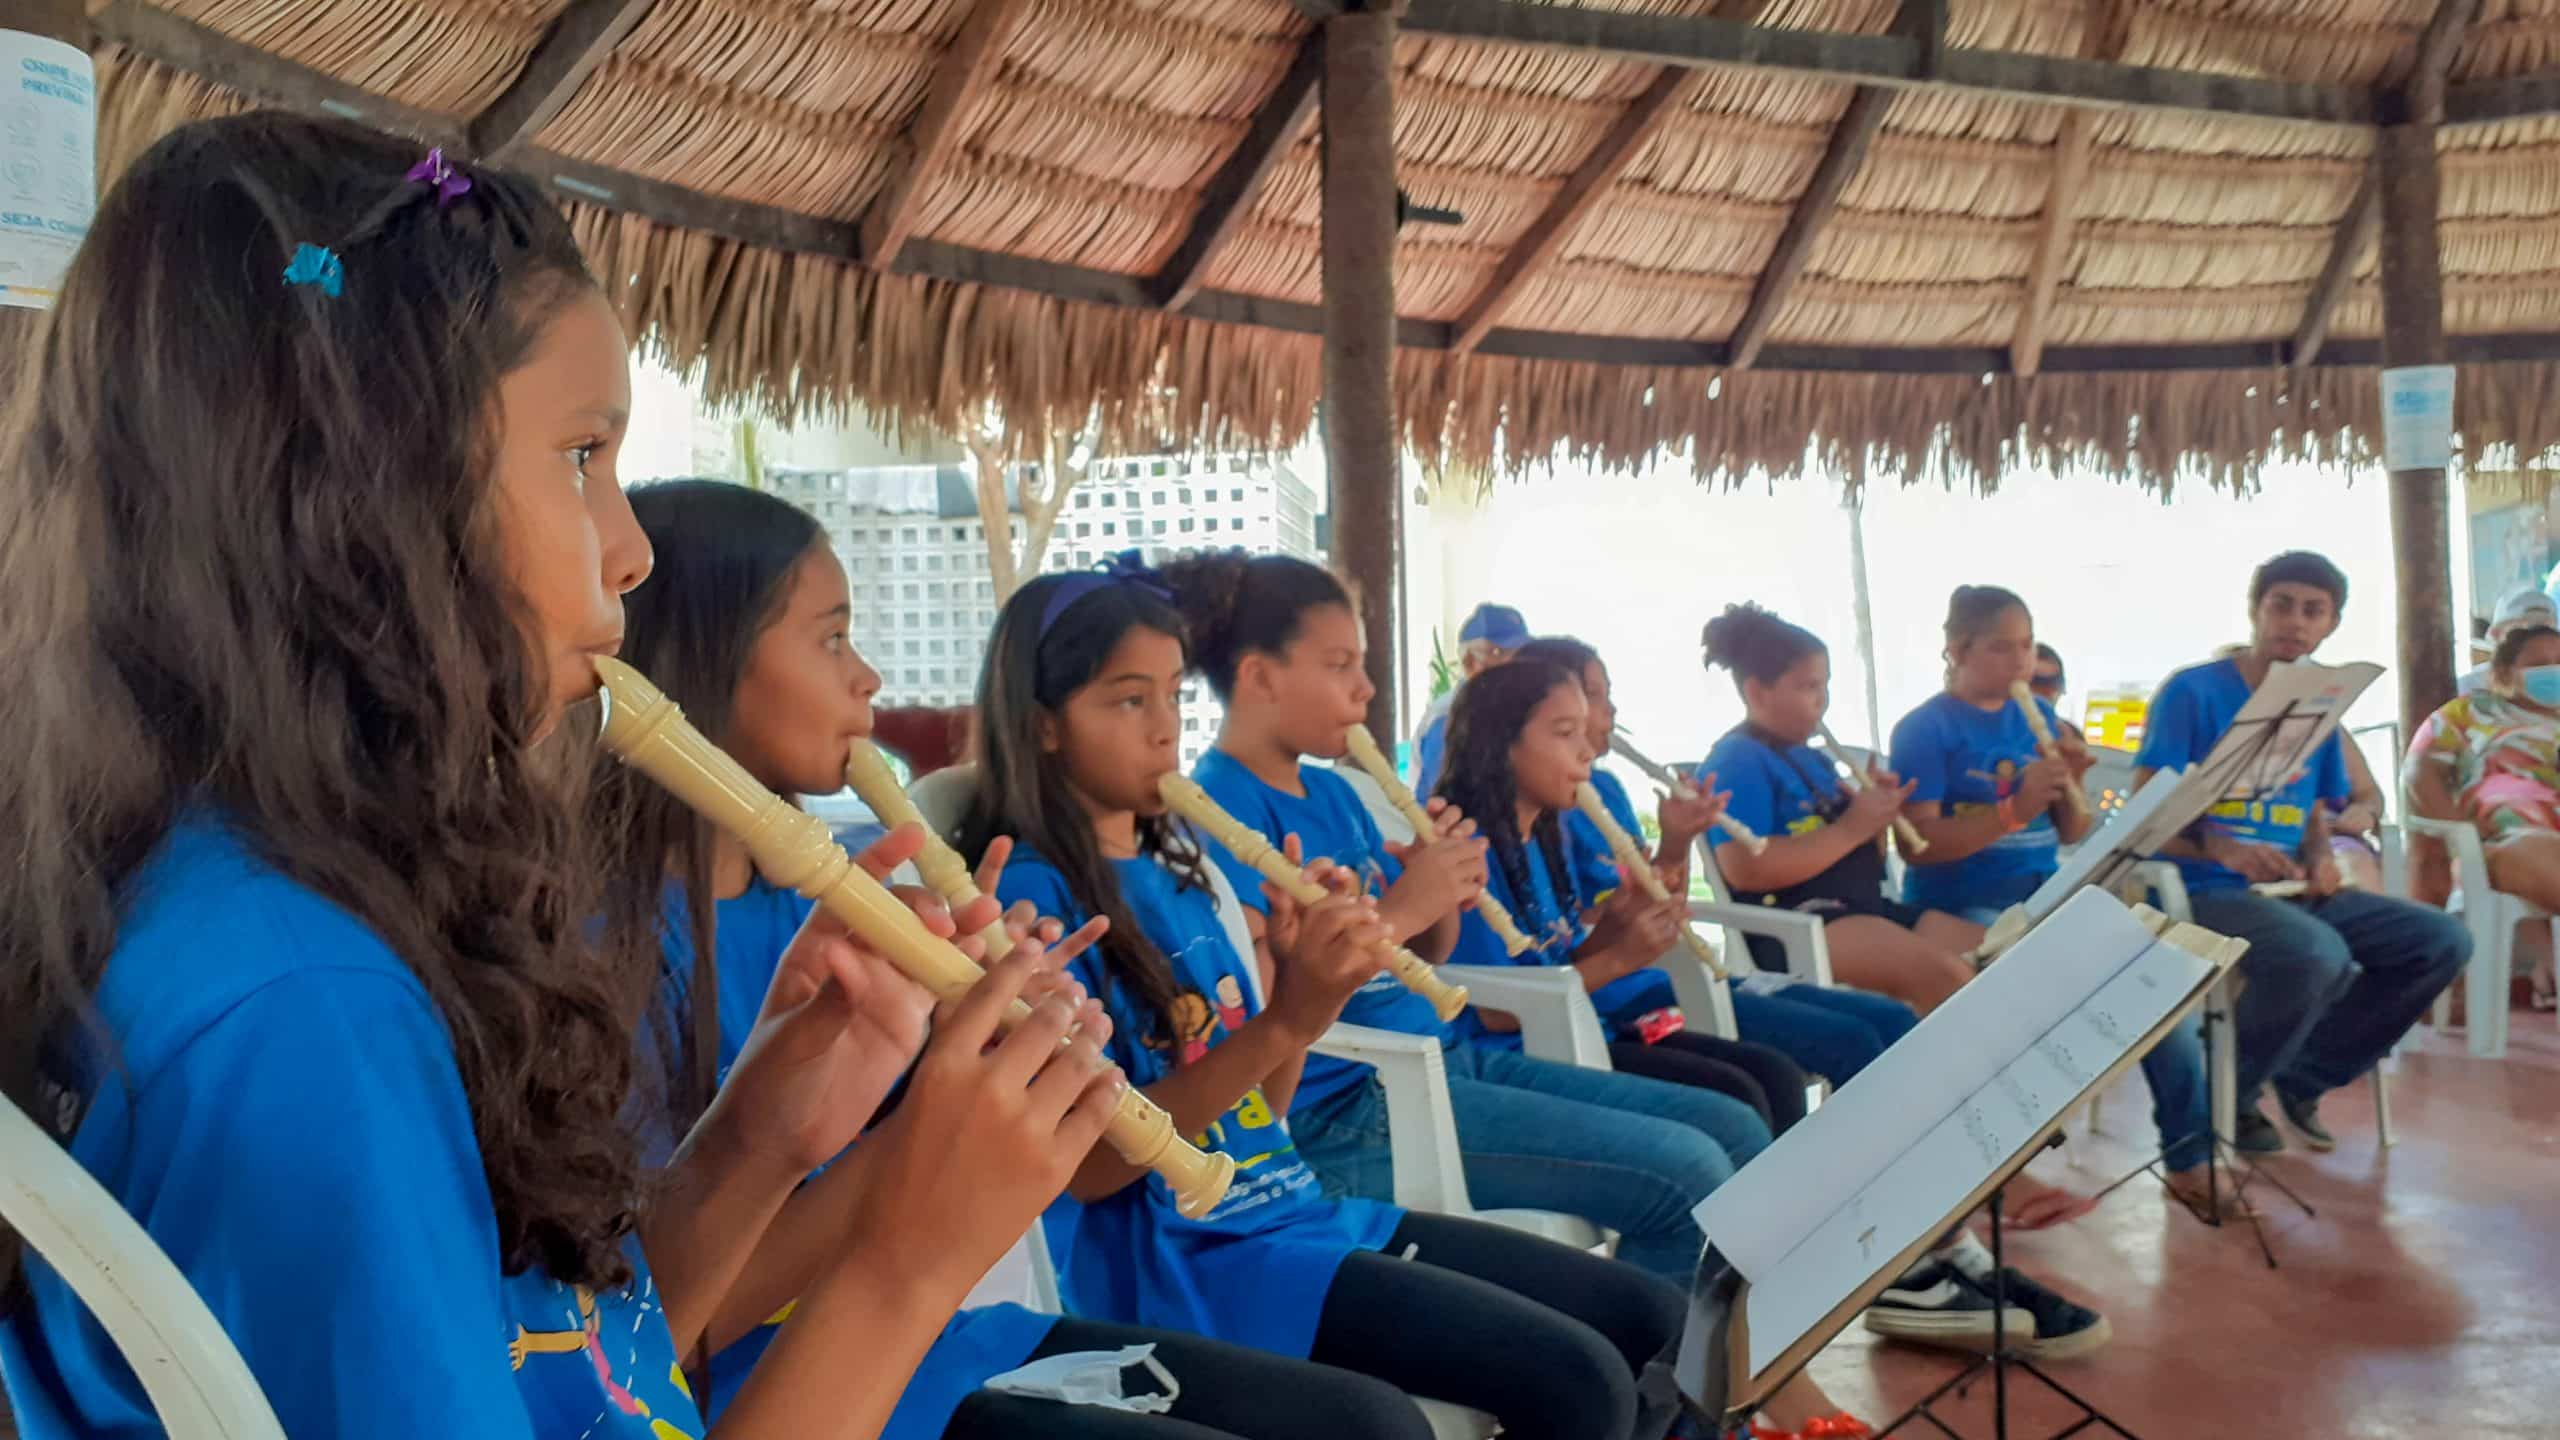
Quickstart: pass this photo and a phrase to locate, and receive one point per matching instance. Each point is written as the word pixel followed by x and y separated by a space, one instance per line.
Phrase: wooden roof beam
pixel 966 69
pixel 577 43
pixel 2421 87
pixel 1231 192
pixel 1579 194
pixel 2103 38
pixel 1898 61
pixel 1841 157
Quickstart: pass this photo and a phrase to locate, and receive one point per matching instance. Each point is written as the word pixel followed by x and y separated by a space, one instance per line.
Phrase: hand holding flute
pixel 1854 781
pixel 1366 754
pixel 2072 794
pixel 793 848
pixel 1678 784
pixel 1639 867
pixel 1187 799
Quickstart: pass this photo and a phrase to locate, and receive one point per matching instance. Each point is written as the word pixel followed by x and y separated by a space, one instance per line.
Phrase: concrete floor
pixel 2421 1301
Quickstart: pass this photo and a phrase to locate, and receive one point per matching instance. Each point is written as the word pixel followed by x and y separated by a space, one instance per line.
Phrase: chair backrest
pixel 1373 798
pixel 942 796
pixel 196 1379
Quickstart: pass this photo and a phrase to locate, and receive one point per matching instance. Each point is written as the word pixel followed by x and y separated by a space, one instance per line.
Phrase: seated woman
pixel 1825 851
pixel 1992 806
pixel 2493 758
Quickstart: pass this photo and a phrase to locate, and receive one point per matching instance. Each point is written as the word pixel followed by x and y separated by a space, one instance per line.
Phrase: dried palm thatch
pixel 1056 169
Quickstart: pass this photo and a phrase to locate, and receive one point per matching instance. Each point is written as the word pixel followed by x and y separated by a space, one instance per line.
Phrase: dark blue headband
pixel 1126 568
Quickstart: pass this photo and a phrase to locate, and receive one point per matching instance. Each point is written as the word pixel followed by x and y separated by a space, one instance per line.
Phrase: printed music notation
pixel 1897 1157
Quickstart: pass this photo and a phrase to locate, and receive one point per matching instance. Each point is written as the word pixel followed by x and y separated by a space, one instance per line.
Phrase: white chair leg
pixel 2382 1105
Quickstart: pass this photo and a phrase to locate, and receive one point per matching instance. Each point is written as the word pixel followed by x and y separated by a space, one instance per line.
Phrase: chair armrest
pixel 1557 1021
pixel 1808 954
pixel 2168 884
pixel 1705 1000
pixel 1422 1126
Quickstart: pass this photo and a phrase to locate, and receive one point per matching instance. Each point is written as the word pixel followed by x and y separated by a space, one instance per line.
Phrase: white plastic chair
pixel 1808 955
pixel 2491 915
pixel 195 1377
pixel 2222 1067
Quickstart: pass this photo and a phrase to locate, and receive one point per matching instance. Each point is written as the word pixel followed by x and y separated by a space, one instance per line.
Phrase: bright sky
pixel 2126 587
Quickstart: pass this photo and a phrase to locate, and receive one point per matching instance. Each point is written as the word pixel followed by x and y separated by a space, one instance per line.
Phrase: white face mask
pixel 1092 1377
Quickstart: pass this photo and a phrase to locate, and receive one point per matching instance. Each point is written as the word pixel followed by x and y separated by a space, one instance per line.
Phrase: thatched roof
pixel 1043 176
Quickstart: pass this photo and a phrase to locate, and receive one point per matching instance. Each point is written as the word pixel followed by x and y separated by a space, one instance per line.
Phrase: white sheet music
pixel 1886 1161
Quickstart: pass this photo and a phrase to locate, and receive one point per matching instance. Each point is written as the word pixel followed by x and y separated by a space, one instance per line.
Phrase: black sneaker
pixel 2304 1117
pixel 1934 1303
pixel 2255 1134
pixel 2064 1328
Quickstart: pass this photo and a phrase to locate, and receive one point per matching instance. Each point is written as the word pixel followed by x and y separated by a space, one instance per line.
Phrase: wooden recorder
pixel 1903 829
pixel 2072 794
pixel 792 847
pixel 943 870
pixel 1188 800
pixel 1366 754
pixel 1664 776
pixel 1639 867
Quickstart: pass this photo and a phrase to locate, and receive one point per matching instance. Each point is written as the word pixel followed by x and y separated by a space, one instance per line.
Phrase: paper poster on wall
pixel 48 163
pixel 2417 417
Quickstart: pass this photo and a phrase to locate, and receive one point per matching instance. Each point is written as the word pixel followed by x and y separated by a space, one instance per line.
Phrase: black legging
pixel 1758 1076
pixel 1228 1393
pixel 1551 1341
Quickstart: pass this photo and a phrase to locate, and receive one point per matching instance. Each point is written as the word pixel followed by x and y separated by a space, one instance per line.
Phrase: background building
pixel 915 552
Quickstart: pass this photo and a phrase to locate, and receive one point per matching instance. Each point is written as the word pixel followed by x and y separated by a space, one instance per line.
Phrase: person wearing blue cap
pixel 1490 636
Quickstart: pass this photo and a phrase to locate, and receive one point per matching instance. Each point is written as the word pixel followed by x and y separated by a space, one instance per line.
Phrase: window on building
pixel 1083 558
pixel 933 647
pixel 1110 527
pixel 907 536
pixel 960 533
pixel 907 563
pixel 1110 498
pixel 915 620
pixel 939 675
pixel 933 591
pixel 913 649
pixel 1083 501
pixel 933 563
pixel 1239 493
pixel 1159 527
pixel 1158 498
pixel 913 591
pixel 1183 494
pixel 1083 528
pixel 1186 524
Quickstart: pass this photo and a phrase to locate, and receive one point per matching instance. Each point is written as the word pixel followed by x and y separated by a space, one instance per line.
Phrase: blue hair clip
pixel 1130 567
pixel 317 265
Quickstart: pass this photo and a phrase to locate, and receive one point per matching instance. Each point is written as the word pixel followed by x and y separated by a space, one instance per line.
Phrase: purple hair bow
pixel 437 174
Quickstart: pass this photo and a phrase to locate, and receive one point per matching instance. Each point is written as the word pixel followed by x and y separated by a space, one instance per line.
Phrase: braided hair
pixel 1485 722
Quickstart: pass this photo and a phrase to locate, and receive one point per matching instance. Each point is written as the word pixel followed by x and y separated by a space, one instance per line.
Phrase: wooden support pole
pixel 1359 190
pixel 2413 334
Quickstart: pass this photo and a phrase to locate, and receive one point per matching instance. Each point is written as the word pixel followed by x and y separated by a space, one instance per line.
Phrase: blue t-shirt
pixel 754 928
pixel 1557 923
pixel 1331 824
pixel 1789 793
pixel 284 1115
pixel 1967 759
pixel 1430 754
pixel 2186 718
pixel 1255 1270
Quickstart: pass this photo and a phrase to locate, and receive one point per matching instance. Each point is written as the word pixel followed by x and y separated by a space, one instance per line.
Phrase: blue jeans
pixel 2332 984
pixel 1831 1032
pixel 2181 1100
pixel 1621 1151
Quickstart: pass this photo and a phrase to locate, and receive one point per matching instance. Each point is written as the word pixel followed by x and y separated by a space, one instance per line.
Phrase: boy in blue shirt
pixel 2335 978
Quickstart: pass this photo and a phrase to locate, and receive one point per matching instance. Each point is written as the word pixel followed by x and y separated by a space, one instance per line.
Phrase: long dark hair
pixel 725 559
pixel 1025 794
pixel 1485 721
pixel 1236 604
pixel 253 564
